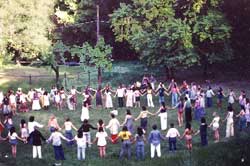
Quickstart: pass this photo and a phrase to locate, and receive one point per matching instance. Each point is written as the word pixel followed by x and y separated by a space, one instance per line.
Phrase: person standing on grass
pixel 120 93
pixel 98 97
pixel 188 110
pixel 231 98
pixel 154 139
pixel 242 99
pixel 209 96
pixel 68 125
pixel 13 137
pixel 179 107
pixel 144 117
pixel 247 111
pixel 85 111
pixel 36 102
pixel 129 120
pixel 149 92
pixel 58 101
pixel 85 129
pixel 242 120
pixel 163 114
pixel 220 96
pixel 46 101
pixel 13 103
pixel 113 126
pixel 81 145
pixel 161 91
pixel 108 98
pixel 56 139
pixel 100 139
pixel 203 132
pixel 8 122
pixel 140 140
pixel 24 129
pixel 172 135
pixel 137 99
pixel 63 97
pixel 53 124
pixel 126 137
pixel 230 122
pixel 129 97
pixel 188 136
pixel 36 138
pixel 174 94
pixel 215 126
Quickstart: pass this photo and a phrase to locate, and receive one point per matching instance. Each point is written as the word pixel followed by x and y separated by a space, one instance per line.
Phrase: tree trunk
pixel 56 70
pixel 99 76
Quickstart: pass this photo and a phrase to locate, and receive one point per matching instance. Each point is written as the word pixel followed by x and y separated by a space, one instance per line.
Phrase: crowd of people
pixel 188 100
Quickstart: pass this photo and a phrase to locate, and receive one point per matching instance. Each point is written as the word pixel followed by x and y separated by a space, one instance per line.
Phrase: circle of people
pixel 184 98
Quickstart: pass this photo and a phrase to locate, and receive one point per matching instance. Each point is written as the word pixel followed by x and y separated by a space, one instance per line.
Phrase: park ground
pixel 226 152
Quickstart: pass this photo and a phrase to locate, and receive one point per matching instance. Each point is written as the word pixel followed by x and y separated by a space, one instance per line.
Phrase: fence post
pixel 89 77
pixel 30 79
pixel 65 80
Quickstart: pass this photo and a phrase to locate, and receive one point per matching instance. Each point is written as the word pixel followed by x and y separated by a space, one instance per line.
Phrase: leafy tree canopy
pixel 170 32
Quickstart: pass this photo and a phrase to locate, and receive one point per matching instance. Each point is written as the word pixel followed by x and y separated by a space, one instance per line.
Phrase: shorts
pixel 13 141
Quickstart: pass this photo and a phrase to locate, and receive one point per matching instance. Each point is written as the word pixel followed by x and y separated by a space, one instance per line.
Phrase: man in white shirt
pixel 171 135
pixel 120 93
pixel 32 124
pixel 113 126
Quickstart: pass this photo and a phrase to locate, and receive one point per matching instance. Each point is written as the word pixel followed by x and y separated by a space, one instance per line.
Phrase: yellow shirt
pixel 125 135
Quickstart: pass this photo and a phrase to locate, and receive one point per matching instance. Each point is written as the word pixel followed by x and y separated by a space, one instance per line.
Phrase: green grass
pixel 227 152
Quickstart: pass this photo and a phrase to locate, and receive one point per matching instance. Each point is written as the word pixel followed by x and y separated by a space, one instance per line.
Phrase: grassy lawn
pixel 227 152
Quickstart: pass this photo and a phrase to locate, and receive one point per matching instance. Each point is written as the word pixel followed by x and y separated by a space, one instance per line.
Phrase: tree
pixel 25 28
pixel 172 32
pixel 100 56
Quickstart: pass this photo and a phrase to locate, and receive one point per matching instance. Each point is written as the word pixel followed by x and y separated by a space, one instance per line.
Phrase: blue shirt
pixel 155 137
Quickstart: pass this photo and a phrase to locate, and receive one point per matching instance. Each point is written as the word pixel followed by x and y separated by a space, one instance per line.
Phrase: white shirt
pixel 210 93
pixel 12 99
pixel 113 126
pixel 13 136
pixel 172 133
pixel 55 137
pixel 81 142
pixel 120 92
pixel 31 126
pixel 101 136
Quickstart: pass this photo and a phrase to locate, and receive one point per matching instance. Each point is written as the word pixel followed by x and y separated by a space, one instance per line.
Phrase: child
pixel 12 136
pixel 203 132
pixel 188 136
pixel 155 141
pixel 171 135
pixel 56 137
pixel 101 136
pixel 100 124
pixel 140 141
pixel 137 95
pixel 68 125
pixel 12 99
pixel 113 126
pixel 215 124
pixel 24 130
pixel 8 122
pixel 81 145
pixel 36 138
